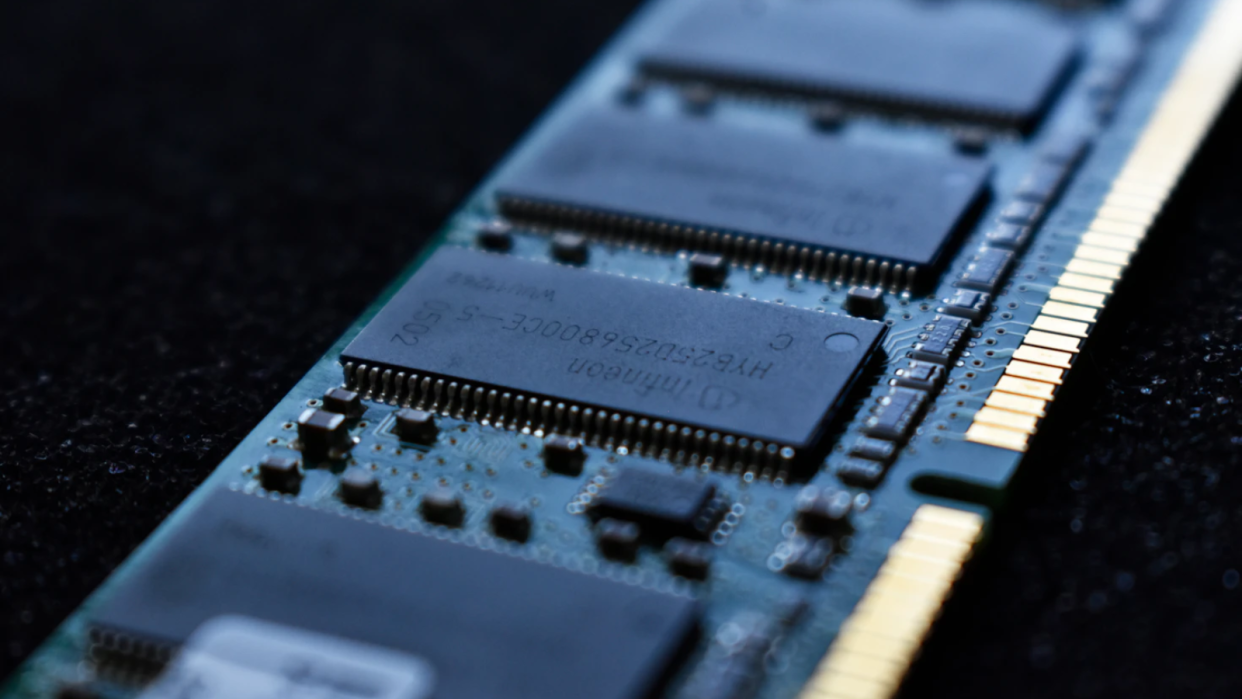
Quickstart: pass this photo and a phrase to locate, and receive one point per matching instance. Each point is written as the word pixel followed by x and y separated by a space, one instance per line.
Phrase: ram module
pixel 709 390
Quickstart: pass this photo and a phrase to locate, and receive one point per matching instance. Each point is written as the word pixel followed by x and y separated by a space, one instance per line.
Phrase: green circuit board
pixel 709 391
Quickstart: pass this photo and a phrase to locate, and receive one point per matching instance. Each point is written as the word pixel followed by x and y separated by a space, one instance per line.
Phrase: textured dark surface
pixel 183 189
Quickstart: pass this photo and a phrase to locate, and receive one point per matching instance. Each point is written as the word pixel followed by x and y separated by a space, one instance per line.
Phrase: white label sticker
pixel 237 657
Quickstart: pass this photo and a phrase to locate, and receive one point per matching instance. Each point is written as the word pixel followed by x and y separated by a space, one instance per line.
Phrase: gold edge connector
pixel 1186 111
pixel 883 635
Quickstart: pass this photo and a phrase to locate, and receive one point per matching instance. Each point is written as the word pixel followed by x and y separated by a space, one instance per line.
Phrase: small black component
pixel 1066 148
pixel 1011 236
pixel 698 98
pixel 1106 106
pixel 663 504
pixel 280 475
pixel 323 435
pixel 971 141
pixel 1105 82
pixel 866 302
pixel 618 540
pixel 511 521
pixel 987 270
pixel 923 376
pixel 827 116
pixel 809 559
pixel 708 270
pixel 824 511
pixel 896 414
pixel 792 610
pixel 861 473
pixel 76 691
pixel 418 426
pixel 564 455
pixel 233 553
pixel 344 402
pixel 570 248
pixel 874 449
pixel 1022 213
pixel 496 236
pixel 1109 77
pixel 634 90
pixel 360 488
pixel 688 559
pixel 1043 183
pixel 944 340
pixel 442 506
pixel 971 305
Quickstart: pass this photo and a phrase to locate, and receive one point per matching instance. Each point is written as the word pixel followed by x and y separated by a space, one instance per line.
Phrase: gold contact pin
pixel 1060 326
pixel 1120 258
pixel 1143 219
pixel 1064 294
pixel 1120 200
pixel 1101 239
pixel 1034 372
pixel 1123 229
pixel 1040 355
pixel 1094 268
pixel 1052 341
pixel 1070 311
pixel 1025 387
pixel 1006 419
pixel 983 433
pixel 1081 281
pixel 1140 189
pixel 1017 404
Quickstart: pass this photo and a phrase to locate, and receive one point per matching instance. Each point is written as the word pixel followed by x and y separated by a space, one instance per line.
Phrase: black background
pixel 197 197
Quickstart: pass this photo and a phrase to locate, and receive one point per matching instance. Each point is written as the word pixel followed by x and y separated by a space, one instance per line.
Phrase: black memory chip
pixel 817 205
pixel 943 340
pixel 896 415
pixel 523 344
pixel 961 59
pixel 540 632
